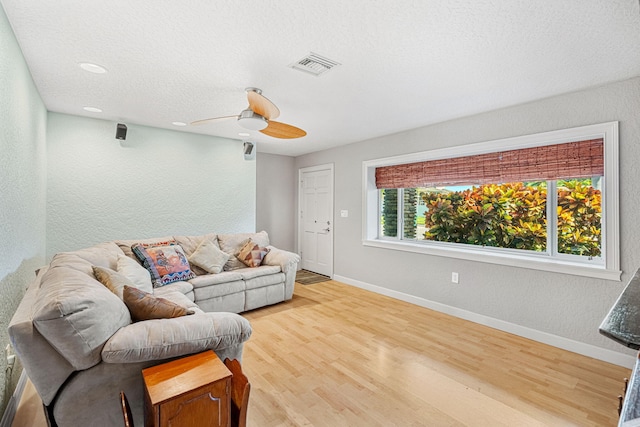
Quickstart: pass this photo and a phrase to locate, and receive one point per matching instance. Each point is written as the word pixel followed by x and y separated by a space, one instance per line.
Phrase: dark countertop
pixel 622 324
pixel 631 409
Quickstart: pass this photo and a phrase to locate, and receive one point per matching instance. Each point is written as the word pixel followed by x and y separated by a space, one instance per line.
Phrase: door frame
pixel 301 172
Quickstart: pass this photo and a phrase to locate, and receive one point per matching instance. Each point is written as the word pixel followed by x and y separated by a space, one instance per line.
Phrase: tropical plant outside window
pixel 508 215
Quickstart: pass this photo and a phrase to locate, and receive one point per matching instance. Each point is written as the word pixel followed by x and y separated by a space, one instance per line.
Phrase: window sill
pixel 512 260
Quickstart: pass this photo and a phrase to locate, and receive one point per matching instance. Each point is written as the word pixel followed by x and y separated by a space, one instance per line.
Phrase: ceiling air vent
pixel 314 64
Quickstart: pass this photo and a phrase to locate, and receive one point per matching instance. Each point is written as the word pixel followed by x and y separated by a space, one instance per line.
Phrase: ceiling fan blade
pixel 283 130
pixel 213 119
pixel 261 105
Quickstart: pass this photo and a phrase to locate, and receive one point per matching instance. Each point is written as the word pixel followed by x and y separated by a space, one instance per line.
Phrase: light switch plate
pixel 344 213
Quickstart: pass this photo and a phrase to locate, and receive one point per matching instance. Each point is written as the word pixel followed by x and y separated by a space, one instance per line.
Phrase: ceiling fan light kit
pixel 259 116
pixel 252 121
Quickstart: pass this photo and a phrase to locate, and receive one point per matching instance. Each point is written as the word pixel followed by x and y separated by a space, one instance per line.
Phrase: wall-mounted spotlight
pixel 121 132
pixel 249 150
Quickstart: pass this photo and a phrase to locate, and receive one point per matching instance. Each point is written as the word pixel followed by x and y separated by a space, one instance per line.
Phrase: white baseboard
pixel 589 350
pixel 12 406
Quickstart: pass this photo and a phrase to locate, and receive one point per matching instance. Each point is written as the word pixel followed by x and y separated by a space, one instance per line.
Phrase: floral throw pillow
pixel 166 264
pixel 252 254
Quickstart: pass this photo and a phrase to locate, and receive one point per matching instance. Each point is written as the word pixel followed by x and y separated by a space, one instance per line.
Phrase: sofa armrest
pixel 285 259
pixel 166 338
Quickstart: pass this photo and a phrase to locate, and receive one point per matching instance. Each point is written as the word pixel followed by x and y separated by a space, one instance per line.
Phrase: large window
pixel 546 201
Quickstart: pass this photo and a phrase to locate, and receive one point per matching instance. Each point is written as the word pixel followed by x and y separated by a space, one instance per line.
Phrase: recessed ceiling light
pixel 244 134
pixel 178 123
pixel 92 109
pixel 93 68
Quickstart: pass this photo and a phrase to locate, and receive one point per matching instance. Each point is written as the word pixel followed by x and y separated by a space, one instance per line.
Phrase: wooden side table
pixel 188 392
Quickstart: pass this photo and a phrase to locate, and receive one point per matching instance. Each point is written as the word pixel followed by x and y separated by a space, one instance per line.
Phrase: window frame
pixel 608 268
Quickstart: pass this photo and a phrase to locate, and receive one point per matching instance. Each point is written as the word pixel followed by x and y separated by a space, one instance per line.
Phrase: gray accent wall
pixel 275 198
pixel 155 183
pixel 23 120
pixel 562 305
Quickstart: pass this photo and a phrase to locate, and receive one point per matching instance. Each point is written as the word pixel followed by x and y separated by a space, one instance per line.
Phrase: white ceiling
pixel 404 64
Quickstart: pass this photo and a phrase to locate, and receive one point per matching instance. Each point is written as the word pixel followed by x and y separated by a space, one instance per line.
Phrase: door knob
pixel 327 229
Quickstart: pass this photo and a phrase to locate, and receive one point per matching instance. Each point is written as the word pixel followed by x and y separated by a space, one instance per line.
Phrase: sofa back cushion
pixel 46 368
pixel 75 313
pixel 103 255
pixel 191 243
pixel 232 243
pixel 125 245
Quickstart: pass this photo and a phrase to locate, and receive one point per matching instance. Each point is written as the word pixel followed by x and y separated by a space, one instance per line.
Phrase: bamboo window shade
pixel 581 159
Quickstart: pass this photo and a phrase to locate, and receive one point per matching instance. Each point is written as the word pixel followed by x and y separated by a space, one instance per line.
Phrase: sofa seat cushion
pixel 77 314
pixel 263 270
pixel 145 306
pixel 165 338
pixel 183 287
pixel 176 296
pixel 215 279
pixel 261 281
pixel 219 290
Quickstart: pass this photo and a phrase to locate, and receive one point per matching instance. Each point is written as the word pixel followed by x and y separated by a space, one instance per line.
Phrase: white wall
pixel 275 199
pixel 22 186
pixel 564 306
pixel 156 183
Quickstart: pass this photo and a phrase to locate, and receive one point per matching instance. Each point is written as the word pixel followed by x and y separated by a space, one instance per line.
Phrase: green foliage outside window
pixel 409 212
pixel 390 212
pixel 513 215
pixel 389 215
pixel 505 215
pixel 579 218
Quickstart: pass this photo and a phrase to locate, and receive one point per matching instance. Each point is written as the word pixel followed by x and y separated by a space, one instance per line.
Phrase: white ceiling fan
pixel 259 116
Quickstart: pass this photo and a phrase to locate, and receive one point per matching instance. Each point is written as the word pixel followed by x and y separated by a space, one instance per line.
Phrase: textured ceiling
pixel 403 64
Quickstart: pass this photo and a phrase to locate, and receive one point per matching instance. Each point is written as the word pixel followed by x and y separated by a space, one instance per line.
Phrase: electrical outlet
pixel 11 358
pixel 454 277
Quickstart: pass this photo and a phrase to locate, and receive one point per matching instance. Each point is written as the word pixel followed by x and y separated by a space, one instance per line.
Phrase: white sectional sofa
pixel 79 345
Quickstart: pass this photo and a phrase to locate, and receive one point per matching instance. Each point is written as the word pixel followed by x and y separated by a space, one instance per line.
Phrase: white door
pixel 316 219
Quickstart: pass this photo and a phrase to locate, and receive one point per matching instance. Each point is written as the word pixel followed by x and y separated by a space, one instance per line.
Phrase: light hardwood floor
pixel 336 355
pixel 340 356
